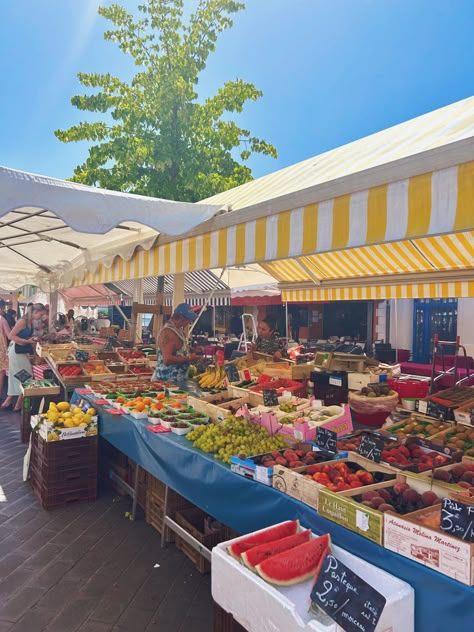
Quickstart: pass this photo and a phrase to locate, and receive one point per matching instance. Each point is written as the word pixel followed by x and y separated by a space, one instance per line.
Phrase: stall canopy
pixel 52 230
pixel 385 216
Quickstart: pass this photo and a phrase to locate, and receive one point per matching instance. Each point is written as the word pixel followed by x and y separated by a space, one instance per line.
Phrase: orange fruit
pixel 139 407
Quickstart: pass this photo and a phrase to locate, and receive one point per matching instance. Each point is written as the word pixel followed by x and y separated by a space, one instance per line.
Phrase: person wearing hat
pixel 172 354
pixel 4 333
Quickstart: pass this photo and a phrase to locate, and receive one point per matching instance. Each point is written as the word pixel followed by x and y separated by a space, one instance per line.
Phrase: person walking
pixel 4 333
pixel 21 345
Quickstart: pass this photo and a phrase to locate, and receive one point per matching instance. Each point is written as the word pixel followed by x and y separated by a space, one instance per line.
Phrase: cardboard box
pixel 357 380
pixel 259 606
pixel 346 362
pixel 46 429
pixel 341 507
pixel 213 407
pixel 465 414
pixel 293 483
pixel 430 546
pixel 252 468
pixel 443 404
pixel 288 370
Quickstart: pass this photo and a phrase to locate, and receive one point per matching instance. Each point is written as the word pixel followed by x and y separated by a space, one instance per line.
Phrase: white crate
pixel 261 607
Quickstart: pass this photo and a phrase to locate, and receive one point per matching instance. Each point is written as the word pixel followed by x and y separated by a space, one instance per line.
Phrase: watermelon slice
pixel 268 535
pixel 257 554
pixel 295 565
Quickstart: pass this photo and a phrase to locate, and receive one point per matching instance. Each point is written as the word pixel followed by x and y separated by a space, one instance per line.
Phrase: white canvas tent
pixel 52 230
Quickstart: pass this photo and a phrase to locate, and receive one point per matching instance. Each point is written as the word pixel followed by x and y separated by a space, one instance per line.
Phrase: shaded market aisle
pixel 86 568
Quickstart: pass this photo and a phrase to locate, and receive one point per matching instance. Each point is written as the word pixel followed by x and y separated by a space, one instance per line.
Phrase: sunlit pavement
pixel 86 567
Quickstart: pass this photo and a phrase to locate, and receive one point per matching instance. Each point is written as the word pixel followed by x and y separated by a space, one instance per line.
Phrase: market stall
pixel 173 460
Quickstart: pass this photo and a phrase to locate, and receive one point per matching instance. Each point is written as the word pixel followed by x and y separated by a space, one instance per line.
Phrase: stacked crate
pixel 224 622
pixel 63 472
pixel 142 482
pixel 194 520
pixel 155 505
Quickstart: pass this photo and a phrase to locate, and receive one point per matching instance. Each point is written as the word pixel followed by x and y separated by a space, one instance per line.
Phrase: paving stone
pixel 133 619
pixel 71 618
pixel 34 620
pixel 11 562
pixel 96 626
pixel 21 603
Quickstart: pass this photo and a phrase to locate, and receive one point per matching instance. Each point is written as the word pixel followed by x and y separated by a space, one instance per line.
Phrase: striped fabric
pixel 431 204
pixel 415 290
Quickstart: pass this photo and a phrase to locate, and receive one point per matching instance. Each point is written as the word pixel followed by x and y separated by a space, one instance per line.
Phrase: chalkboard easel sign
pixel 458 519
pixel 327 439
pixel 371 446
pixel 82 356
pixel 232 373
pixel 346 597
pixel 270 397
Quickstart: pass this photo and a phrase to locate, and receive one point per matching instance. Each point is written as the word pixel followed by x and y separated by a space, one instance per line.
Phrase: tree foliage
pixel 156 137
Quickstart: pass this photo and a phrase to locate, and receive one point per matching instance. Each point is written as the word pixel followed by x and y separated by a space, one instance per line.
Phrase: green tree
pixel 156 137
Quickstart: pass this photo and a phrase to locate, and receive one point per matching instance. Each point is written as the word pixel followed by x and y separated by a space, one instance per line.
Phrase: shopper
pixel 269 341
pixel 173 356
pixel 4 332
pixel 21 345
pixel 11 317
pixel 70 319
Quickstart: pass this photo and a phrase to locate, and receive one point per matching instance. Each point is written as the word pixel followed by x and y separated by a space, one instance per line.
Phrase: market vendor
pixel 173 356
pixel 268 340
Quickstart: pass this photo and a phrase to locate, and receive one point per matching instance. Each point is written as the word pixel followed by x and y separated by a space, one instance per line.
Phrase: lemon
pixel 82 424
pixel 52 416
pixel 91 412
pixel 63 406
pixel 67 415
pixel 51 436
pixel 69 423
pixel 76 410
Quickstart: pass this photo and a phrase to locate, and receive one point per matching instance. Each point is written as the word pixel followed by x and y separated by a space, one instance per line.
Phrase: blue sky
pixel 331 71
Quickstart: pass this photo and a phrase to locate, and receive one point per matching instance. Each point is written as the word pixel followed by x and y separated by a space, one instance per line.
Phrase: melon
pixel 257 554
pixel 262 537
pixel 295 565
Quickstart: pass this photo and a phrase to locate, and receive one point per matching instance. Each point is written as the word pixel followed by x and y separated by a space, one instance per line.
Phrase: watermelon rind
pixel 295 565
pixel 262 537
pixel 258 554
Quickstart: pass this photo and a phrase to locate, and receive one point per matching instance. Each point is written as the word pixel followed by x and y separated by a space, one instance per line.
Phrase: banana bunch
pixel 214 377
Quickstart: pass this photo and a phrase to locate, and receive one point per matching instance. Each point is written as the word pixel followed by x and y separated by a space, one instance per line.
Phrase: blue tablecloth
pixel 245 505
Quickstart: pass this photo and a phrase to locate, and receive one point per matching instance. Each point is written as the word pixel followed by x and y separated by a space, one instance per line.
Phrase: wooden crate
pixel 288 370
pixel 154 505
pixel 192 520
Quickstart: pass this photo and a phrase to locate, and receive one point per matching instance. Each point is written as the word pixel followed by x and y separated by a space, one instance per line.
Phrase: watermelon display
pixel 257 554
pixel 295 565
pixel 268 535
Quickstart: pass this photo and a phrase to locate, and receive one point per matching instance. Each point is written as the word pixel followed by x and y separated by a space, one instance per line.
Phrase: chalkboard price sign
pixel 82 356
pixel 346 597
pixel 23 376
pixel 371 446
pixel 327 440
pixel 232 372
pixel 458 519
pixel 270 397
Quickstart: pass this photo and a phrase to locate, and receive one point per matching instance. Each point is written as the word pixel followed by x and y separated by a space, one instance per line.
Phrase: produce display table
pixel 245 505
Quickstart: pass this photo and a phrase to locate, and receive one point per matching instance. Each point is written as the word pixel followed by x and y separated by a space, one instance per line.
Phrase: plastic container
pixel 410 389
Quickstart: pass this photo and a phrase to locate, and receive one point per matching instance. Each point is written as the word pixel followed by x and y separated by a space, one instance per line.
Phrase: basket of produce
pixel 374 398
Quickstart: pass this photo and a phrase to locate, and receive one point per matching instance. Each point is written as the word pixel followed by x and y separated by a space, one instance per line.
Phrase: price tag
pixel 82 356
pixel 270 397
pixel 232 372
pixel 371 447
pixel 327 440
pixel 335 381
pixel 458 519
pixel 100 402
pixel 23 376
pixel 158 429
pixel 346 597
pixel 114 411
pixel 422 407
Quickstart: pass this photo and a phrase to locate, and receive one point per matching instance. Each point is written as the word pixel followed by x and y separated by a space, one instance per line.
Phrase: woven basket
pixel 371 405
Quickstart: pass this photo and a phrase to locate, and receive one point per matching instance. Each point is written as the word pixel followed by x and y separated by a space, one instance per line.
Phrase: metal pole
pixel 286 320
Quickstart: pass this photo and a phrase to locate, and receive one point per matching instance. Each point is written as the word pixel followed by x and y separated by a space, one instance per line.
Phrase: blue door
pixel 430 317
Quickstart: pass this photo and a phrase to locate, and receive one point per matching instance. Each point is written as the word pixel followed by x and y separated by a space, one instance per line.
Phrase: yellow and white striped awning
pixel 397 202
pixel 377 231
pixel 456 289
